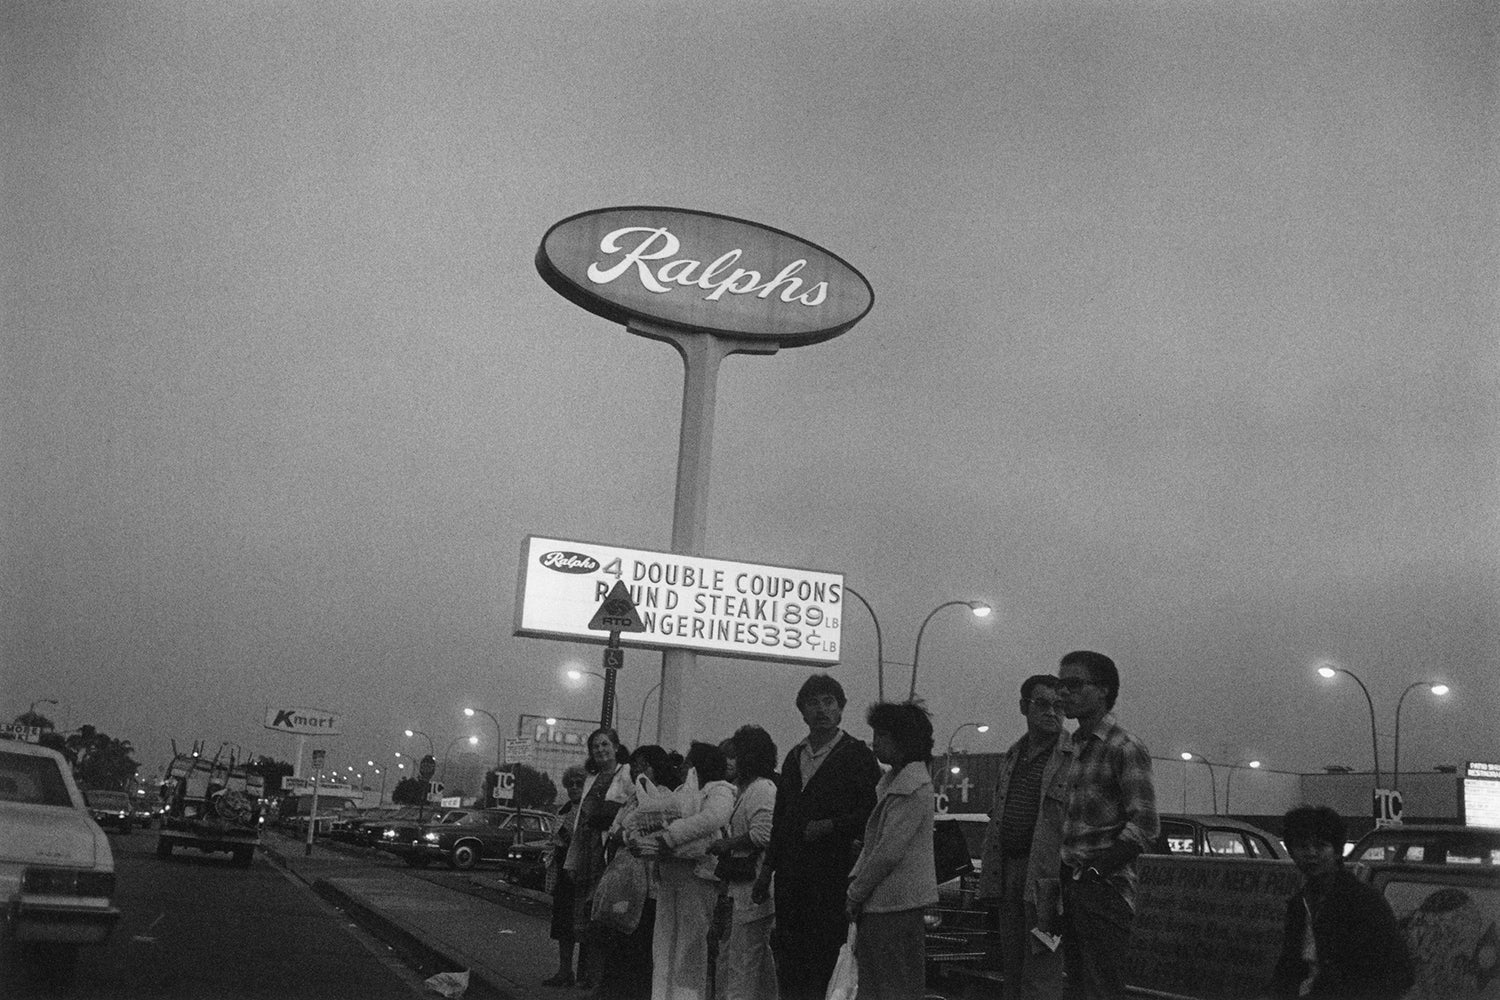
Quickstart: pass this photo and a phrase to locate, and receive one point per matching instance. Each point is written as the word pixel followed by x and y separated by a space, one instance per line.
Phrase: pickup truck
pixel 210 807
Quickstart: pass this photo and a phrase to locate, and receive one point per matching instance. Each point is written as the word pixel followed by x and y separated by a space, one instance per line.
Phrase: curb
pixel 425 957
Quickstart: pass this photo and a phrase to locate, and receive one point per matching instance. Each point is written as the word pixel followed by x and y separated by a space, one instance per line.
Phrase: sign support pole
pixel 701 355
pixel 614 659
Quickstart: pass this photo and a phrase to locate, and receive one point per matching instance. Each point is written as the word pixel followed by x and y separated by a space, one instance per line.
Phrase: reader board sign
pixel 17 731
pixel 713 606
pixel 311 721
pixel 1481 794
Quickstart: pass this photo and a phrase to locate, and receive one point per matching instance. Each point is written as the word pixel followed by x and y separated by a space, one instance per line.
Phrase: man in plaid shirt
pixel 1110 818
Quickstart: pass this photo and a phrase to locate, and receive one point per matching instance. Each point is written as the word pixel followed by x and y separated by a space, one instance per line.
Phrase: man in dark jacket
pixel 1341 938
pixel 824 795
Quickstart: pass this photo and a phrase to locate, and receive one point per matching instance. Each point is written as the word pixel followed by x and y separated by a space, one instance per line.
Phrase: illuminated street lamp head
pixel 982 729
pixel 1326 671
pixel 410 732
pixel 1186 755
pixel 551 721
pixel 575 675
pixel 955 769
pixel 469 712
pixel 1253 763
pixel 473 741
pixel 980 609
pixel 1439 689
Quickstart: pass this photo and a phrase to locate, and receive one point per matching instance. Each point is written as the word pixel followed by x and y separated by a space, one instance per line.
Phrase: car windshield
pixel 34 780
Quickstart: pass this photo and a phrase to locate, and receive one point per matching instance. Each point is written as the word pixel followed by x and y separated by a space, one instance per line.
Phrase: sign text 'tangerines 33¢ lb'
pixel 713 606
pixel 705 272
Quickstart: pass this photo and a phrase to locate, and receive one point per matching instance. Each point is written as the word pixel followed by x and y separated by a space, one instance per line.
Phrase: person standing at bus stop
pixel 1022 844
pixel 823 798
pixel 1110 819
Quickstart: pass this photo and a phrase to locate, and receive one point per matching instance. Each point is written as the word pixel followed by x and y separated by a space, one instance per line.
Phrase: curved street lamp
pixel 417 732
pixel 1229 778
pixel 1436 687
pixel 1329 670
pixel 642 717
pixel 1213 781
pixel 979 727
pixel 879 649
pixel 979 609
pixel 499 740
pixel 473 741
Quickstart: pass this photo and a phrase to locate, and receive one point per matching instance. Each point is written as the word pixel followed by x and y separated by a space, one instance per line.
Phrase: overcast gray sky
pixel 1184 348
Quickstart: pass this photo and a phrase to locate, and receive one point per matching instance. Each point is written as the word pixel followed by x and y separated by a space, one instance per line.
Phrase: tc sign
pixel 505 785
pixel 302 721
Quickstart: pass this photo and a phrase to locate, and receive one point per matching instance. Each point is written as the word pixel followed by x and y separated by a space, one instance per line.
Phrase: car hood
pixel 52 835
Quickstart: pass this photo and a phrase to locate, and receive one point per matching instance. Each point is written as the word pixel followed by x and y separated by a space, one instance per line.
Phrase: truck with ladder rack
pixel 210 805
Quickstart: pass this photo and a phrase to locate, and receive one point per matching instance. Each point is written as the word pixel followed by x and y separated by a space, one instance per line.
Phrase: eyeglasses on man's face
pixel 1074 683
pixel 1052 705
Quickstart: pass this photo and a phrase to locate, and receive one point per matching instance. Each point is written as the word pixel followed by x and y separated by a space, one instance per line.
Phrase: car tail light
pixel 67 882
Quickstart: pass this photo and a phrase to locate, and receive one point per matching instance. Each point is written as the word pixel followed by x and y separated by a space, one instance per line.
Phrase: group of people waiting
pixel 755 889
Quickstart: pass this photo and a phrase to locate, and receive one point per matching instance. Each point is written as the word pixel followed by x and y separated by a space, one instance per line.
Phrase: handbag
pixel 736 868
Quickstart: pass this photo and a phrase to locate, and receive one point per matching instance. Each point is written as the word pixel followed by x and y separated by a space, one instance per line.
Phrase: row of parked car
pixel 511 840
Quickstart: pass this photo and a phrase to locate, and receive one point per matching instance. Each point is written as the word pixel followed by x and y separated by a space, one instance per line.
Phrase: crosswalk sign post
pixel 616 614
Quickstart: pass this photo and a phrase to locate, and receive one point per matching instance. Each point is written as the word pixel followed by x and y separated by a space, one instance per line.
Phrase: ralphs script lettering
pixel 569 562
pixel 717 278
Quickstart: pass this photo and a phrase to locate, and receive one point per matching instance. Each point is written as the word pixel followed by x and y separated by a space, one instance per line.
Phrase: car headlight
pixel 67 882
pixel 387 834
pixel 430 837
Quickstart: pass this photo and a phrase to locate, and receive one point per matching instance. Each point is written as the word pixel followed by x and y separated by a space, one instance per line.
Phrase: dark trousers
pixel 625 966
pixel 1096 933
pixel 807 947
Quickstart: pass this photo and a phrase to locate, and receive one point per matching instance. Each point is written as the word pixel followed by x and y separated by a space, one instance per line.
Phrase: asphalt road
pixel 194 927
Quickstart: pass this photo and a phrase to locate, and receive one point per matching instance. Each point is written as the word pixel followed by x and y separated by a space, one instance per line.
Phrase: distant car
pixel 111 809
pixel 482 835
pixel 142 811
pixel 1217 836
pixel 57 873
pixel 1428 845
pixel 403 837
pixel 525 864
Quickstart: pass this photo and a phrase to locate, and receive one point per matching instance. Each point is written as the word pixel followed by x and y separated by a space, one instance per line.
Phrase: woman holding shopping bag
pixel 686 887
pixel 746 967
pixel 596 810
pixel 895 879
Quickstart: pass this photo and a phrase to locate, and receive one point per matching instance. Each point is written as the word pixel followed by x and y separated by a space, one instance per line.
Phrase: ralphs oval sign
pixel 701 271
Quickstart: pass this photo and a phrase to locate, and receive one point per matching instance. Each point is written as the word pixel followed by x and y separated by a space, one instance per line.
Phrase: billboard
pixel 1481 794
pixel 713 606
pixel 302 721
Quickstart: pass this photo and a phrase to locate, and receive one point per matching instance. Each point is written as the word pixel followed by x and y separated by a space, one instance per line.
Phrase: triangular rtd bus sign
pixel 617 612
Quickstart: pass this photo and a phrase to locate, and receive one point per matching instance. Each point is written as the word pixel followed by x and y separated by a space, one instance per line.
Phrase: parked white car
pixel 57 874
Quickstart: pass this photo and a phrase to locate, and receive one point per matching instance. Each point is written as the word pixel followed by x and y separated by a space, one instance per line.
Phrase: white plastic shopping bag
pixel 845 982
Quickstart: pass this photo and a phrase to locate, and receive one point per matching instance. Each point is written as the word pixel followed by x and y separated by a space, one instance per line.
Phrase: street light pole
pixel 1229 779
pixel 642 718
pixel 499 740
pixel 980 610
pixel 1327 670
pixel 979 727
pixel 879 650
pixel 1437 688
pixel 1213 781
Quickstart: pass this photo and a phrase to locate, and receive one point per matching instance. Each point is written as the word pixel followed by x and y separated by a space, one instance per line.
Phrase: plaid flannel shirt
pixel 1111 798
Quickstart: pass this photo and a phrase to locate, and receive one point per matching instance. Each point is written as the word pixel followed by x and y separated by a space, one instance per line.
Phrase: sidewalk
pixel 434 927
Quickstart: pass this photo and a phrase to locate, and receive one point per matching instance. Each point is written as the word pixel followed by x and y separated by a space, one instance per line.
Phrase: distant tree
pixel 271 771
pixel 100 760
pixel 409 792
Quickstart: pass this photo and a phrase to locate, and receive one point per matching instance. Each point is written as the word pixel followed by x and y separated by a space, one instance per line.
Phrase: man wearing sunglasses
pixel 1110 819
pixel 1021 844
